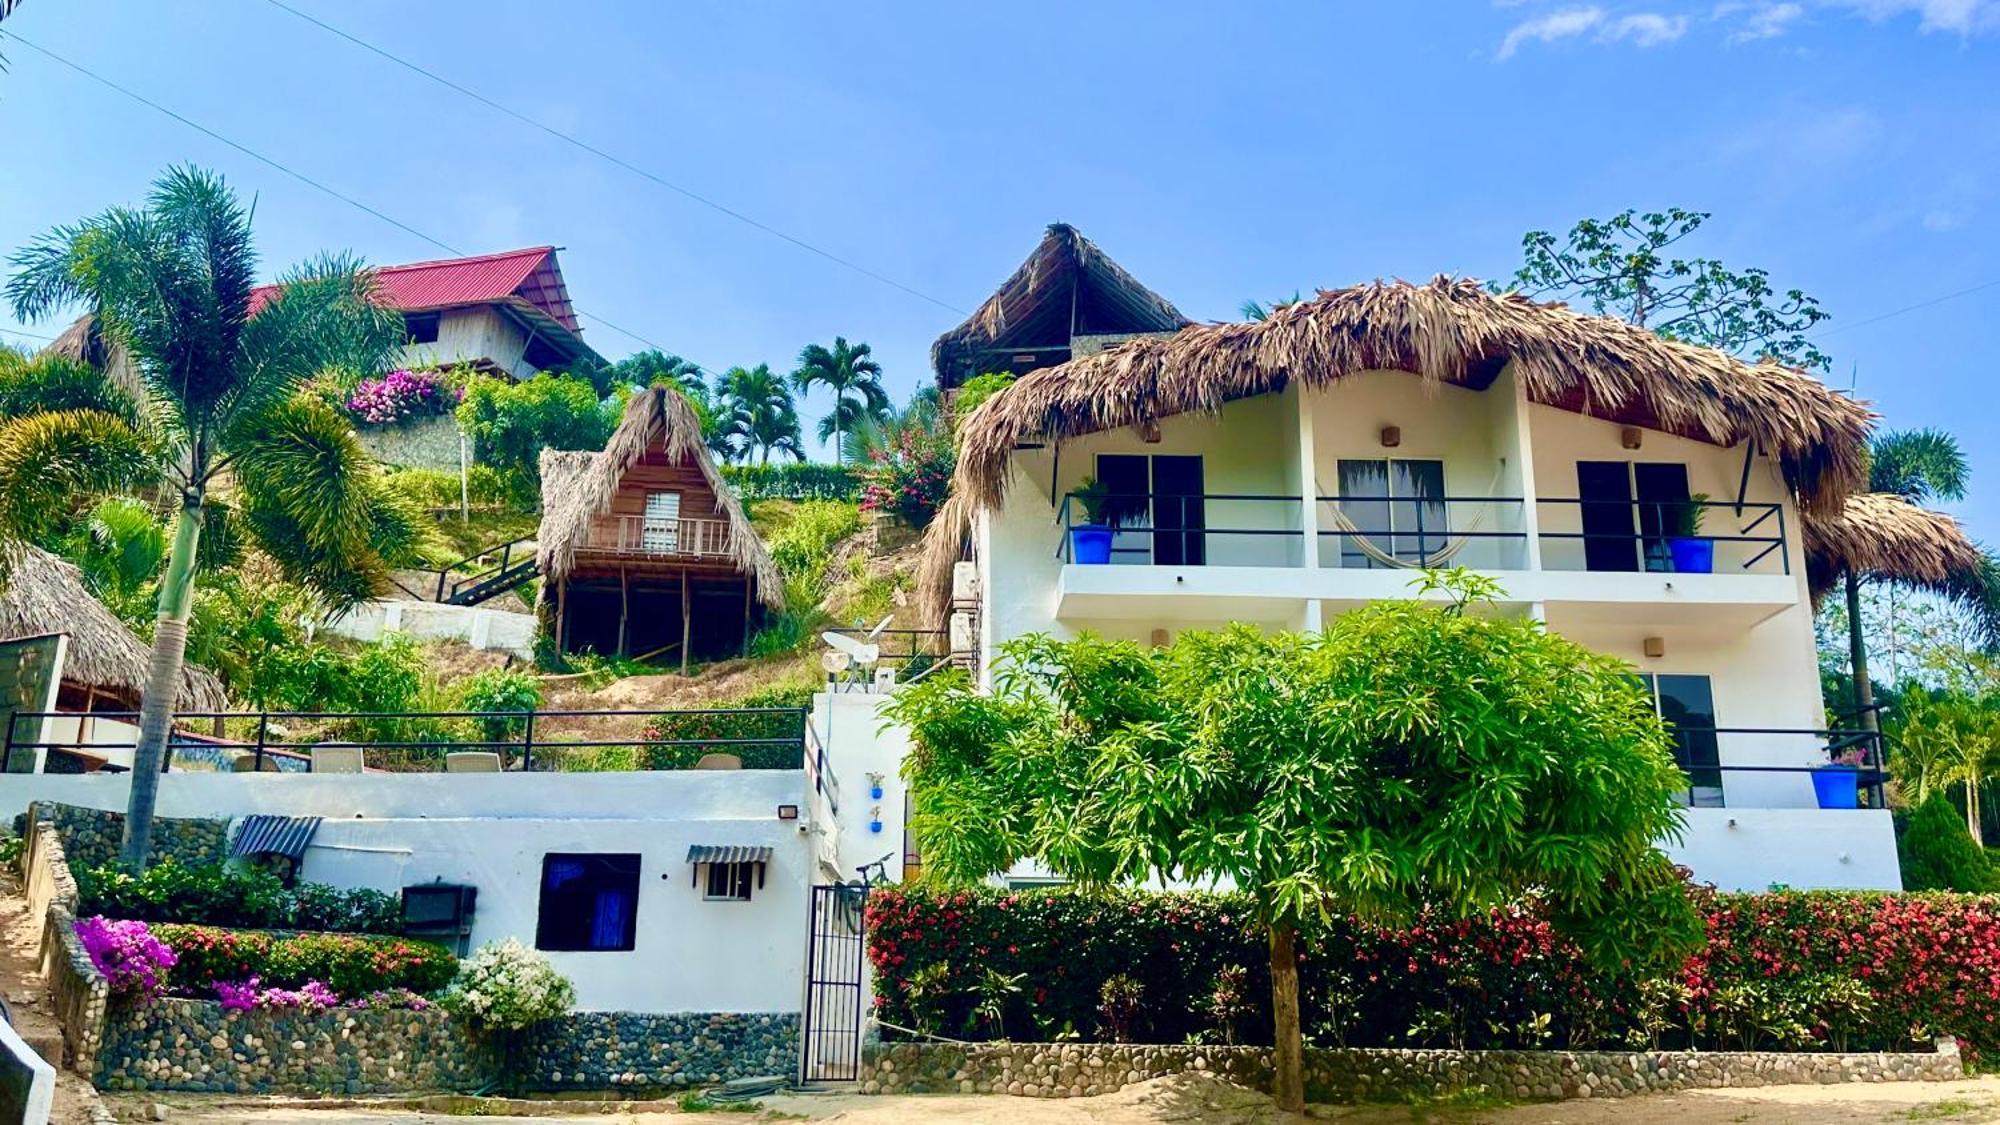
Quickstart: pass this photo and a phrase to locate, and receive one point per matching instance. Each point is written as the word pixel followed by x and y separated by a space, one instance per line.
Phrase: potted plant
pixel 1837 784
pixel 1090 541
pixel 1691 552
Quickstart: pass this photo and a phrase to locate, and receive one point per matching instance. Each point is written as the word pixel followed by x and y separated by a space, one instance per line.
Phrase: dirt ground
pixel 1198 1102
pixel 28 998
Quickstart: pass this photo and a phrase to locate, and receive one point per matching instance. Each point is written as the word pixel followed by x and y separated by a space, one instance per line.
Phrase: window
pixel 1611 494
pixel 1687 705
pixel 590 902
pixel 1159 498
pixel 1396 507
pixel 662 530
pixel 730 882
pixel 421 328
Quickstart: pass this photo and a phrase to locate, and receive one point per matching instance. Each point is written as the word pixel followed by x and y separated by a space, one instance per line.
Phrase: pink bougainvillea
pixel 400 396
pixel 134 961
pixel 312 996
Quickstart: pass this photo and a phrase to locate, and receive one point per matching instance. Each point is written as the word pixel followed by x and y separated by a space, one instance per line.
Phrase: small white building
pixel 1282 472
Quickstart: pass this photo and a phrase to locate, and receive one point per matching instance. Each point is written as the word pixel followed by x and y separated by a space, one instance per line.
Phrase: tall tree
pixel 851 373
pixel 1413 754
pixel 759 414
pixel 1624 267
pixel 170 283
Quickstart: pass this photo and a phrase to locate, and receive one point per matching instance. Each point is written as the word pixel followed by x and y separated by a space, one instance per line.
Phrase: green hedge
pixel 1817 970
pixel 350 964
pixel 793 482
pixel 233 895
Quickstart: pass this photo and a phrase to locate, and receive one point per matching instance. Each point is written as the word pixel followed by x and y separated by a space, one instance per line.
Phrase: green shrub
pixel 793 482
pixel 351 965
pixel 910 478
pixel 232 895
pixel 1814 970
pixel 501 689
pixel 486 487
pixel 511 423
pixel 1937 852
pixel 978 389
pixel 803 548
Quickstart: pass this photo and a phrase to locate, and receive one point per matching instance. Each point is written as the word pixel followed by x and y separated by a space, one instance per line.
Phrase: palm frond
pixel 302 460
pixel 1918 465
pixel 50 463
pixel 338 578
pixel 122 546
pixel 221 544
pixel 324 317
pixel 44 383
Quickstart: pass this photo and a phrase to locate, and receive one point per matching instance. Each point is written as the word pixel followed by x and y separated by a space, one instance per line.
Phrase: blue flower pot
pixel 875 792
pixel 1692 556
pixel 1837 787
pixel 1090 546
pixel 874 826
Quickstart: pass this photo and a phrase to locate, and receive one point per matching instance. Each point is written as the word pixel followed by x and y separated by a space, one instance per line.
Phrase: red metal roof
pixel 531 274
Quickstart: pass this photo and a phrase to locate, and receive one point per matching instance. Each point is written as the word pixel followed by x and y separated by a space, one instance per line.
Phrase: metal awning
pixel 275 835
pixel 728 853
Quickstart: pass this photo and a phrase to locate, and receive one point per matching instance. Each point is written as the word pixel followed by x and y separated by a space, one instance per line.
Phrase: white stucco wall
pixel 1801 849
pixel 480 626
pixel 388 831
pixel 859 742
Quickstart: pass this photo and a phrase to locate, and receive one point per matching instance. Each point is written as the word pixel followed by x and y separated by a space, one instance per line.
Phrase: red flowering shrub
pixel 911 478
pixel 352 965
pixel 1817 970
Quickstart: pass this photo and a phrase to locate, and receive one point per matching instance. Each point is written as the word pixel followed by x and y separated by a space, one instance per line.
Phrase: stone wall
pixel 1062 1070
pixel 424 443
pixel 198 1046
pixel 602 1050
pixel 91 837
pixel 81 993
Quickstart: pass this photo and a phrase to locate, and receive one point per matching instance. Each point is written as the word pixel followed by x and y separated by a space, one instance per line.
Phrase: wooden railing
pixel 637 535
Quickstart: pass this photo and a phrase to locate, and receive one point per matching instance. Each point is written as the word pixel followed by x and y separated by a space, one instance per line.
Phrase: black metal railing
pixel 1751 536
pixel 425 741
pixel 1700 752
pixel 1210 529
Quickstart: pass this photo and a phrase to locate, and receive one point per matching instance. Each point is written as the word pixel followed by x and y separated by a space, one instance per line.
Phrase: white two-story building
pixel 1642 497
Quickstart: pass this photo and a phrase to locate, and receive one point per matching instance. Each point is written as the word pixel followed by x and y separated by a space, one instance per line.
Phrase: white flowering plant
pixel 507 986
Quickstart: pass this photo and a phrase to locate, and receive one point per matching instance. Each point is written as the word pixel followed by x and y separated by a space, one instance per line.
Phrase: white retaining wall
pixel 480 626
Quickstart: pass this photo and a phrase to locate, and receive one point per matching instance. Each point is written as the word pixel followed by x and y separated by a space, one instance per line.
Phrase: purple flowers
pixel 400 396
pixel 130 957
pixel 244 996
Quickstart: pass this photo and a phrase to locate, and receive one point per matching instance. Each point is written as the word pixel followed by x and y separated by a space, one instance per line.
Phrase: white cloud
pixel 1960 17
pixel 1764 21
pixel 1562 24
pixel 1646 29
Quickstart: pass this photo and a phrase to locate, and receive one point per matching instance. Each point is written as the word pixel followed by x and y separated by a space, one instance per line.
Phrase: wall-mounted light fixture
pixel 1630 436
pixel 1654 647
pixel 1392 436
pixel 788 812
pixel 1149 432
pixel 1160 638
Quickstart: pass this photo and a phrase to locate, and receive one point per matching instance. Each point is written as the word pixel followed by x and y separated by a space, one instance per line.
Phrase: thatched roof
pixel 1448 331
pixel 1066 287
pixel 44 594
pixel 84 342
pixel 1882 535
pixel 577 487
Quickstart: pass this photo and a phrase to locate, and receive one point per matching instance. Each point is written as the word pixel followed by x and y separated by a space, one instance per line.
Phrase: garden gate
pixel 830 1028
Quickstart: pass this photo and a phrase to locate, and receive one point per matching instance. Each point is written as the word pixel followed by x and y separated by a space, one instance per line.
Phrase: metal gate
pixel 830 1029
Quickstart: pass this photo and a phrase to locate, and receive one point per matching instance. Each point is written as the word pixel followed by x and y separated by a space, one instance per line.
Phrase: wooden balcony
pixel 639 538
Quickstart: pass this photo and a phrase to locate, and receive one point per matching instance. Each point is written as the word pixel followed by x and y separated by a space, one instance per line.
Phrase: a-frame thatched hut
pixel 1068 299
pixel 644 549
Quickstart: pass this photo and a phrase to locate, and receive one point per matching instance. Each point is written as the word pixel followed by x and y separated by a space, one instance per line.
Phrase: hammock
pixel 1442 555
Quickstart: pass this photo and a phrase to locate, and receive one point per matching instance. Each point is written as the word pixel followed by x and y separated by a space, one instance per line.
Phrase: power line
pixel 621 162
pixel 27 335
pixel 1909 308
pixel 293 173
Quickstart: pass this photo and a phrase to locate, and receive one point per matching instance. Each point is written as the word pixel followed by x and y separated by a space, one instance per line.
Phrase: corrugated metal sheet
pixel 531 273
pixel 728 853
pixel 275 835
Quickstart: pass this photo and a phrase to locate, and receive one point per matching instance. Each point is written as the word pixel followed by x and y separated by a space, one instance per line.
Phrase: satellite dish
pixel 877 630
pixel 835 662
pixel 860 652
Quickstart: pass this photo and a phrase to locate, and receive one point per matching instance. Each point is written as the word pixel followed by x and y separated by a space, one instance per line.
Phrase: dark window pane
pixel 1178 511
pixel 1687 704
pixel 1661 488
pixel 421 328
pixel 1364 492
pixel 1604 495
pixel 589 902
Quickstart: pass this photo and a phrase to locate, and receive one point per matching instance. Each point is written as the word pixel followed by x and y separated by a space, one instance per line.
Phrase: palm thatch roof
pixel 84 342
pixel 1445 331
pixel 577 487
pixel 1067 287
pixel 1882 535
pixel 44 594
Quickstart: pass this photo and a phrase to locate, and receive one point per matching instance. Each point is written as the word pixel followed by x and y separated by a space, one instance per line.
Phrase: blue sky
pixel 1220 152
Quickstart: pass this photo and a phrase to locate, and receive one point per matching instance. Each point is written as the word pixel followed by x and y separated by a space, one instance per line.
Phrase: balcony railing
pixel 646 536
pixel 1789 759
pixel 1481 532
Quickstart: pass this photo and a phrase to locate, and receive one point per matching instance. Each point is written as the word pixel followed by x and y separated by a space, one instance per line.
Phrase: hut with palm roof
pixel 644 549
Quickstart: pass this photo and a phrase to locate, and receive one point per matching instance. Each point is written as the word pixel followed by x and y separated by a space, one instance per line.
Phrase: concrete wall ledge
pixel 1067 1070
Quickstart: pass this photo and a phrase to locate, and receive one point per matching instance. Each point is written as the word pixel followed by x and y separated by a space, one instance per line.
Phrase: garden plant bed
pixel 1066 1070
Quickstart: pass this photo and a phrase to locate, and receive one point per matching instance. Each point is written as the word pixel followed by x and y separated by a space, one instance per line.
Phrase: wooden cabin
pixel 644 550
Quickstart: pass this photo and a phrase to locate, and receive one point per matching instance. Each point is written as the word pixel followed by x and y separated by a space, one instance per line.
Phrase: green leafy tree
pixel 1937 852
pixel 855 378
pixel 1413 754
pixel 511 423
pixel 170 282
pixel 1626 266
pixel 1949 739
pixel 978 389
pixel 758 415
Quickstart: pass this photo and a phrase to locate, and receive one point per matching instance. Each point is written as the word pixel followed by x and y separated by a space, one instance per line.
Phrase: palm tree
pixel 1258 310
pixel 1947 740
pixel 170 283
pixel 1922 467
pixel 922 414
pixel 845 370
pixel 759 414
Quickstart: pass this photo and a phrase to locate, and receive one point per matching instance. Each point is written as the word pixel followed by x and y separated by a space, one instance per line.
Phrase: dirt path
pixel 1203 1102
pixel 29 1002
